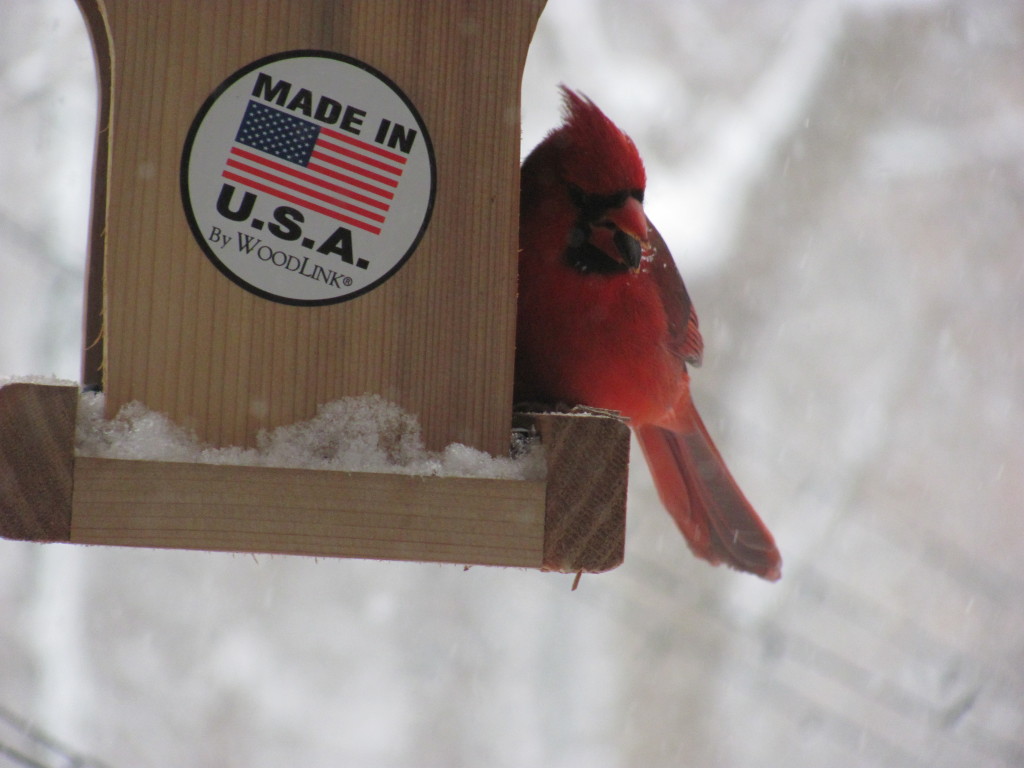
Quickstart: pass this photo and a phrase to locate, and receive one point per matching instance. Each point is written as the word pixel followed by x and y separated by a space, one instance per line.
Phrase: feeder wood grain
pixel 437 338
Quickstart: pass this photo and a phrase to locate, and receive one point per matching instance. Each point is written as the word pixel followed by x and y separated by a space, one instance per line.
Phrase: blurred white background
pixel 842 184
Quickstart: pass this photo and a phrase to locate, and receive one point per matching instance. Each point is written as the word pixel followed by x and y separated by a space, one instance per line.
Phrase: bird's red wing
pixel 701 496
pixel 692 479
pixel 684 332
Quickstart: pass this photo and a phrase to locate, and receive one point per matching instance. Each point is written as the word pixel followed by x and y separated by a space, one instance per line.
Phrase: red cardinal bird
pixel 604 320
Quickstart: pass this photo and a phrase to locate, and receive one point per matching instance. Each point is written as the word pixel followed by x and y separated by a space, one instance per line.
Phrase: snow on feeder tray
pixel 294 203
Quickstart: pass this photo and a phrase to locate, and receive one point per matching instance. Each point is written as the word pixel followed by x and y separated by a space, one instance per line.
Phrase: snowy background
pixel 842 184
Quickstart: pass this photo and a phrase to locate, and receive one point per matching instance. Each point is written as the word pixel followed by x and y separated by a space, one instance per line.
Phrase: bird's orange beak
pixel 631 238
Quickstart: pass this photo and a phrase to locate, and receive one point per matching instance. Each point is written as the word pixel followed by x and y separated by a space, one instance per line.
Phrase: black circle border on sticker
pixel 193 130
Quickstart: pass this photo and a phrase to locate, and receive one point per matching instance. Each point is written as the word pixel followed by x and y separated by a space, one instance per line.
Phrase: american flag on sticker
pixel 314 167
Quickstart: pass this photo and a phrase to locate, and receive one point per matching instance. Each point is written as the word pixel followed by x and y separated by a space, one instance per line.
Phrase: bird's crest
pixel 595 155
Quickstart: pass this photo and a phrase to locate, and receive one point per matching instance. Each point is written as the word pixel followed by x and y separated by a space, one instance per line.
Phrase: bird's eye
pixel 617 200
pixel 591 207
pixel 578 196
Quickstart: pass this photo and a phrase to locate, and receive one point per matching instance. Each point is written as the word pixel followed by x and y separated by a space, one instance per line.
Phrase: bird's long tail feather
pixel 695 486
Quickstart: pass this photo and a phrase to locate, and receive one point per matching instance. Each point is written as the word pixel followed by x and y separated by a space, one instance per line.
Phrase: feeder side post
pixel 37 442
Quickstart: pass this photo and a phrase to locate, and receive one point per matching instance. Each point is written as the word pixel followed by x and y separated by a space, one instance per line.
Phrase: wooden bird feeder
pixel 296 201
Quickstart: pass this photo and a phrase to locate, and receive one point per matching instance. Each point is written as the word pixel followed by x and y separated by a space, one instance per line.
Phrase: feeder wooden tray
pixel 170 323
pixel 571 522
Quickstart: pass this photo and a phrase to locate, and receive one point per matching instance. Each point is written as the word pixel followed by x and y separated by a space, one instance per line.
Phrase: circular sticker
pixel 308 177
